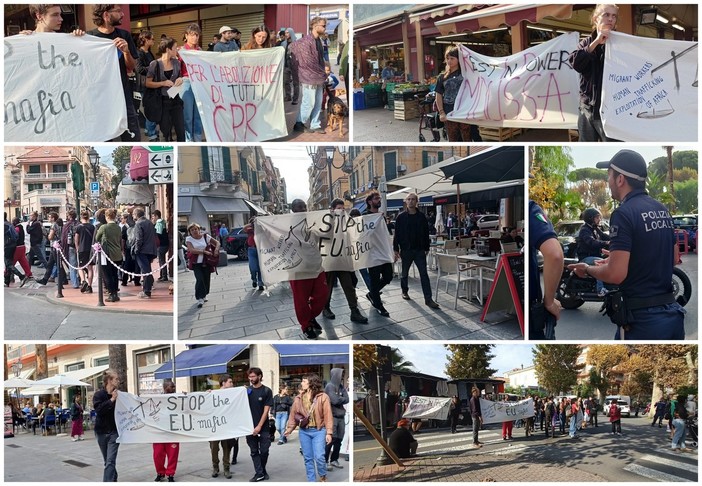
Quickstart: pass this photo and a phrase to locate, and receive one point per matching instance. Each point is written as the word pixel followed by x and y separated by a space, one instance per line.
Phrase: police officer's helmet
pixel 589 215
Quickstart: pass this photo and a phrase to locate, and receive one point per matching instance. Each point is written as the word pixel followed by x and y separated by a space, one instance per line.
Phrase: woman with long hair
pixel 144 43
pixel 260 38
pixel 197 242
pixel 193 123
pixel 447 86
pixel 76 419
pixel 105 425
pixel 281 408
pixel 313 404
pixel 167 70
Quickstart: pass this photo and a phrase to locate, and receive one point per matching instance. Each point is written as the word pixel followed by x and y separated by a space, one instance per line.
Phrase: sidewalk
pixel 34 458
pixel 160 303
pixel 235 310
pixel 293 136
pixel 480 467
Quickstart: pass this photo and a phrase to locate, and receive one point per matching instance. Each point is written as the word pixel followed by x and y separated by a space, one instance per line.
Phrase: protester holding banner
pixel 260 38
pixel 308 68
pixel 146 40
pixel 197 243
pixel 105 426
pixel 588 60
pixel 107 18
pixel 310 294
pixel 447 85
pixel 380 275
pixel 48 19
pixel 312 412
pixel 166 454
pixel 164 74
pixel 225 381
pixel 191 115
pixel 259 441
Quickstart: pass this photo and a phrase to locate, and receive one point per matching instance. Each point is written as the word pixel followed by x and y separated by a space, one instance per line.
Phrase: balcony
pixel 44 192
pixel 47 175
pixel 219 176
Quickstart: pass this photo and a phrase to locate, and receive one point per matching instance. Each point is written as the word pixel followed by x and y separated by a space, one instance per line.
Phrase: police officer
pixel 591 241
pixel 542 237
pixel 642 254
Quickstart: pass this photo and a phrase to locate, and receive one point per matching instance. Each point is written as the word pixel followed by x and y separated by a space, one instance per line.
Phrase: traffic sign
pixel 160 160
pixel 161 176
pixel 95 188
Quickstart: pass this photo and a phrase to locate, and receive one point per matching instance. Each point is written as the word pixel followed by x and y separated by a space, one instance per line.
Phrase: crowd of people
pixel 132 244
pixel 320 433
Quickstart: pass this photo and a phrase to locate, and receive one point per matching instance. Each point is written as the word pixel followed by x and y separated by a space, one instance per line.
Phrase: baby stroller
pixel 691 423
pixel 429 118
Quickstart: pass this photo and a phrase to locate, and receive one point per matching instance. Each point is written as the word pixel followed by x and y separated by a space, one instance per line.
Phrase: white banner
pixel 239 94
pixel 62 88
pixel 428 408
pixel 300 245
pixel 535 88
pixel 649 89
pixel 195 417
pixel 498 412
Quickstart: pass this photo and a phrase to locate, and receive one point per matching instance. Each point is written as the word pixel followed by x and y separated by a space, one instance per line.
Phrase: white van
pixel 624 402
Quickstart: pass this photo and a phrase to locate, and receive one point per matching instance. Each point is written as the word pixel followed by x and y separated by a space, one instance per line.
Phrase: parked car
pixel 688 223
pixel 235 243
pixel 489 221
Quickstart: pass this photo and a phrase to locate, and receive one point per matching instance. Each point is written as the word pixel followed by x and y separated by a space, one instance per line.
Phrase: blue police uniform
pixel 540 230
pixel 643 227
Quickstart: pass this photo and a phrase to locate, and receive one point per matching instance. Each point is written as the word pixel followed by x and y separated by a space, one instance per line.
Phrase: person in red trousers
pixel 21 252
pixel 166 454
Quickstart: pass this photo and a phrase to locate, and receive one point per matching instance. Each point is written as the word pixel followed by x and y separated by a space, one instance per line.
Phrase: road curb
pixel 51 297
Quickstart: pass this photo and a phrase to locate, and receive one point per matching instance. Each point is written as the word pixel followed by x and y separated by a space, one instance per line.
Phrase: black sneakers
pixel 328 314
pixel 256 479
pixel 316 325
pixel 382 311
pixel 299 126
pixel 309 333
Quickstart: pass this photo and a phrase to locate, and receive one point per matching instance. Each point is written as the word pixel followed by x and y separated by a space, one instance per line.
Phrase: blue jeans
pixel 659 322
pixel 419 258
pixel 73 260
pixel 38 250
pixel 679 434
pixel 573 425
pixel 311 106
pixel 151 128
pixel 193 124
pixel 109 447
pixel 281 422
pixel 366 277
pixel 254 268
pixel 144 262
pixel 313 445
pixel 591 261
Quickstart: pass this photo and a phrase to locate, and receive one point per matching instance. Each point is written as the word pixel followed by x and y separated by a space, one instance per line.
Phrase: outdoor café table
pixel 482 262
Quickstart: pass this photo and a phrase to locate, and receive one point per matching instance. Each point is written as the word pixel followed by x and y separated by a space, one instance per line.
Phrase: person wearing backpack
pixel 83 242
pixel 68 248
pixel 128 239
pixel 36 239
pixel 54 236
pixel 163 243
pixel 11 241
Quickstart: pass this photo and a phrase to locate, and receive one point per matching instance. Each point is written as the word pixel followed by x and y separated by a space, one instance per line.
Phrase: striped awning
pixel 501 15
pixel 441 12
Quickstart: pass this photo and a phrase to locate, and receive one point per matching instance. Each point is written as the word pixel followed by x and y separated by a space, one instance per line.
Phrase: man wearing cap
pixel 643 251
pixel 227 42
pixel 402 442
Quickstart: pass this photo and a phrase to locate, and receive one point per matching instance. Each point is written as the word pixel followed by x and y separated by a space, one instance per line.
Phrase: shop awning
pixel 332 25
pixel 135 194
pixel 185 204
pixel 441 12
pixel 86 373
pixel 257 209
pixel 312 354
pixel 26 373
pixel 222 205
pixel 502 164
pixel 205 360
pixel 500 15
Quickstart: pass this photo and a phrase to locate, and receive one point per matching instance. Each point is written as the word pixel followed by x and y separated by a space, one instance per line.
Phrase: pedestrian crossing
pixel 666 466
pixel 444 442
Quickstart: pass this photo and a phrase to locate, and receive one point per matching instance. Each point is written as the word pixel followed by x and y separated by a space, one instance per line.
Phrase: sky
pixel 431 358
pixel 589 155
pixel 292 161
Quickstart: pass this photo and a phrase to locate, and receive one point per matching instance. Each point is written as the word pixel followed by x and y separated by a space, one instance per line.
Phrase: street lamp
pixel 8 203
pixel 327 162
pixel 94 160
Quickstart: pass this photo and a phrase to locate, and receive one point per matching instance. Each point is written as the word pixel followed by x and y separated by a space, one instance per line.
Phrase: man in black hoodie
pixel 338 397
pixel 105 426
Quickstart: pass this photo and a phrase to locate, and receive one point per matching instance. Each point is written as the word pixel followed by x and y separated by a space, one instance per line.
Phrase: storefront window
pixel 147 363
pixel 291 376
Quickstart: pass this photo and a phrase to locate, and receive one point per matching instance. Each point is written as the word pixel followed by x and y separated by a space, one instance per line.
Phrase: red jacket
pixel 615 413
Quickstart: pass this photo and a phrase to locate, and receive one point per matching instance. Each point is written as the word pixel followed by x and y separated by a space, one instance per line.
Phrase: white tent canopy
pixel 135 194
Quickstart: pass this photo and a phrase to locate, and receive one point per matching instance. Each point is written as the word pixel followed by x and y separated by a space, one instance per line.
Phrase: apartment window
pixel 58 168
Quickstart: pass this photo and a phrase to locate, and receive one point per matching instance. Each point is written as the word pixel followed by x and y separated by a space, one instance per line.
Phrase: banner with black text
pixel 239 94
pixel 62 88
pixel 498 412
pixel 427 408
pixel 535 88
pixel 195 417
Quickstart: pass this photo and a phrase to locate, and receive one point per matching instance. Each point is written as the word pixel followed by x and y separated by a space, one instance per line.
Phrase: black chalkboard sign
pixel 516 267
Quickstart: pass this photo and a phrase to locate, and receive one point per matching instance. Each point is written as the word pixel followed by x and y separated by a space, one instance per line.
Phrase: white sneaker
pixel 200 303
pixel 73 439
pixel 603 292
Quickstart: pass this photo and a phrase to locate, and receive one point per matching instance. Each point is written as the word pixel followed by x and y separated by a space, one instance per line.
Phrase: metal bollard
pixel 101 302
pixel 61 274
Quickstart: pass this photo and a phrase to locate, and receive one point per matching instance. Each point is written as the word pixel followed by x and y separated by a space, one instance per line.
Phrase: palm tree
pixel 669 151
pixel 399 363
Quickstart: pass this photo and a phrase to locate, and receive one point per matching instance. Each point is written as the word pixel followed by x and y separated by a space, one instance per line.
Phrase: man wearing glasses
pixel 308 68
pixel 107 18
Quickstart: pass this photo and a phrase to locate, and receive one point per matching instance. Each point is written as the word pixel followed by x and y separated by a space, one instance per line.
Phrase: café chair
pixel 450 271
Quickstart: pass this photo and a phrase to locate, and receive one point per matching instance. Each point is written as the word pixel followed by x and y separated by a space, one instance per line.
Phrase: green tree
pixel 120 157
pixel 555 160
pixel 686 196
pixel 556 366
pixel 681 159
pixel 469 361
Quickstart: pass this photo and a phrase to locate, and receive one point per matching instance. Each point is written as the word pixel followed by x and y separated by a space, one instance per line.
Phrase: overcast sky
pixel 292 161
pixel 431 359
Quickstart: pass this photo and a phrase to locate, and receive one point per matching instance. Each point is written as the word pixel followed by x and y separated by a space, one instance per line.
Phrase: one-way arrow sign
pixel 161 176
pixel 160 160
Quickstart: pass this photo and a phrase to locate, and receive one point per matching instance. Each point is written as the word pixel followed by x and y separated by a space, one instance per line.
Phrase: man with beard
pixel 260 403
pixel 107 18
pixel 382 274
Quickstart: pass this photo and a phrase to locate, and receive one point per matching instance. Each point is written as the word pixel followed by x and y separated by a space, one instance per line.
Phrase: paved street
pixel 33 458
pixel 237 311
pixel 33 312
pixel 380 125
pixel 586 322
pixel 642 453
